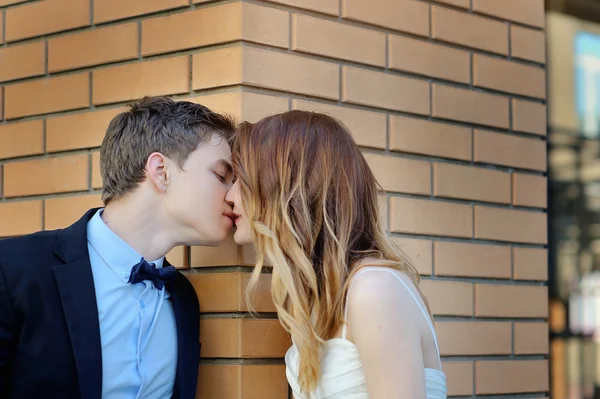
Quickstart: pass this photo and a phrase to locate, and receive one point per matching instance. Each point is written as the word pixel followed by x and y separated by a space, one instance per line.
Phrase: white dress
pixel 342 374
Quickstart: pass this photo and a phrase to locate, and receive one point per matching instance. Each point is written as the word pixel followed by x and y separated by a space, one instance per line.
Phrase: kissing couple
pixel 96 311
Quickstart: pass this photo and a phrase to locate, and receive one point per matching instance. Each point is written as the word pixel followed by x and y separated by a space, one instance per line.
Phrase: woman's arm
pixel 382 321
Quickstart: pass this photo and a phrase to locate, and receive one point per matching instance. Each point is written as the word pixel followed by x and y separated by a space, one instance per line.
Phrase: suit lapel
pixel 188 347
pixel 78 297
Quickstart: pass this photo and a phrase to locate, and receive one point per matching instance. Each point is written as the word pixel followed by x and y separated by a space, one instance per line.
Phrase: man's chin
pixel 213 241
pixel 212 244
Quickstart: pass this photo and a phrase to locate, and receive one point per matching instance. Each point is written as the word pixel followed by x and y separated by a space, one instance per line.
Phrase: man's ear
pixel 156 168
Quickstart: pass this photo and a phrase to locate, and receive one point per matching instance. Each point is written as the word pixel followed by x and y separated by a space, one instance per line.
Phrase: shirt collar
pixel 119 256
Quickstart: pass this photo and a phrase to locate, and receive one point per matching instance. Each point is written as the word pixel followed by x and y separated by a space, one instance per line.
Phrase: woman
pixel 307 200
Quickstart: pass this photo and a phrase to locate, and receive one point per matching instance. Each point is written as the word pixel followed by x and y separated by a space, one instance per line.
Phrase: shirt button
pixel 142 304
pixel 125 274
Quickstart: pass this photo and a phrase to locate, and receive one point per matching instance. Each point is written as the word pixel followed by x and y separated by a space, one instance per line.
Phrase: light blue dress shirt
pixel 138 331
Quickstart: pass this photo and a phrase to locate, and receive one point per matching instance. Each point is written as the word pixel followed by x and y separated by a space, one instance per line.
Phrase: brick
pixel 246 381
pixel 133 81
pixel 510 225
pixel 382 203
pixel 10 2
pixel 243 105
pixel 2 27
pixel 59 93
pixel 214 25
pixel 96 176
pixel 449 298
pixel 529 190
pixel 469 106
pixel 398 93
pixel 22 61
pixel 405 16
pixel 529 117
pixel 368 128
pixel 226 254
pixel 178 257
pixel 229 103
pixel 531 338
pixel 474 338
pixel 514 301
pixel 77 131
pixel 264 338
pixel 44 17
pixel 219 381
pixel 456 3
pixel 469 30
pixel 53 175
pixel 243 338
pixel 337 40
pixel 21 139
pixel 472 260
pixel 222 67
pixel 254 378
pixel 111 10
pixel 324 6
pixel 225 292
pixel 467 182
pixel 249 255
pixel 527 44
pixel 430 59
pixel 530 264
pixel 257 106
pixel 529 12
pixel 507 150
pixel 19 218
pixel 459 378
pixel 257 67
pixel 416 216
pixel 421 136
pixel 400 174
pixel 508 76
pixel 418 251
pixel 62 212
pixel 265 25
pixel 511 376
pixel 98 46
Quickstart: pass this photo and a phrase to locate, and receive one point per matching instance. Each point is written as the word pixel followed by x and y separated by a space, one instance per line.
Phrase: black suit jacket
pixel 49 331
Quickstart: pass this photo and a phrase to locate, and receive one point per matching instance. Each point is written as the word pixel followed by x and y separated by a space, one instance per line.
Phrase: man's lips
pixel 235 217
pixel 230 215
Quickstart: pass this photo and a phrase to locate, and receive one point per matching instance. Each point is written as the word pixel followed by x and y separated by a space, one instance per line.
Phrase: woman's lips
pixel 236 218
pixel 231 216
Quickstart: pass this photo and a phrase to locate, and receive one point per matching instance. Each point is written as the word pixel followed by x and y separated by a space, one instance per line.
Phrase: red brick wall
pixel 447 98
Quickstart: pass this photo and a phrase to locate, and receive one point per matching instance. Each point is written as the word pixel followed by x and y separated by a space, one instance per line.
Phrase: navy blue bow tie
pixel 148 271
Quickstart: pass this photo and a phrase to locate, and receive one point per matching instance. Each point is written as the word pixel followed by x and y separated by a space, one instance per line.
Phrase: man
pixel 95 310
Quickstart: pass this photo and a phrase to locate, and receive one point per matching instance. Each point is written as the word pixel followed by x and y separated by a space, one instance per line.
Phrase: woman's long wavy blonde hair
pixel 312 202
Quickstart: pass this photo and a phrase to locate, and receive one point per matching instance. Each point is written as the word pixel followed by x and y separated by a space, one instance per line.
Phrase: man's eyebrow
pixel 225 164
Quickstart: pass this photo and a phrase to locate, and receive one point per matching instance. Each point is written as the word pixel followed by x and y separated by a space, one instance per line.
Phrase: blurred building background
pixel 573 44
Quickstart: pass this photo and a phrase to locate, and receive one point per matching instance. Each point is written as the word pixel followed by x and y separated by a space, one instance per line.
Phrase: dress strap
pixel 383 269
